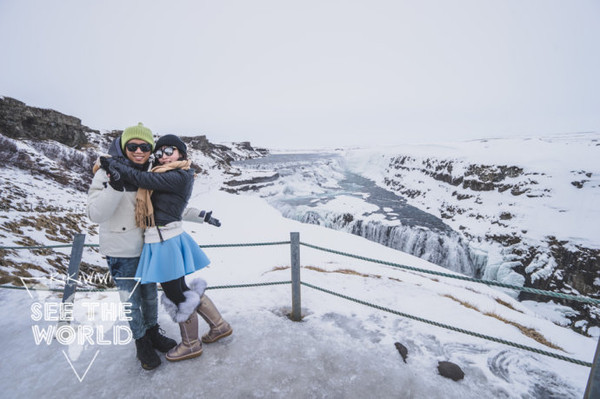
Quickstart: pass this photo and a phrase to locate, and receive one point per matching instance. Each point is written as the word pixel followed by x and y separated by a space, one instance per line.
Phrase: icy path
pixel 332 355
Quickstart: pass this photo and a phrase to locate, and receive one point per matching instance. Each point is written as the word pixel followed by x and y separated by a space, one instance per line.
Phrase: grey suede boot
pixel 185 315
pixel 219 328
pixel 190 345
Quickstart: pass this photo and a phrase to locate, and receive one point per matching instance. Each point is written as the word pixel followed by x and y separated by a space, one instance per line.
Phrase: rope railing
pixel 375 306
pixel 214 287
pixel 220 287
pixel 578 298
pixel 459 277
pixel 46 246
pixel 251 244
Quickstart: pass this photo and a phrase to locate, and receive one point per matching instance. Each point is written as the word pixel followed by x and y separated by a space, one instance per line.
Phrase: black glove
pixel 209 219
pixel 114 177
pixel 105 163
pixel 214 222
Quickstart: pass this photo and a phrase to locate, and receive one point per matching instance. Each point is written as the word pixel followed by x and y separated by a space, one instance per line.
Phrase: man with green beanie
pixel 137 132
pixel 111 203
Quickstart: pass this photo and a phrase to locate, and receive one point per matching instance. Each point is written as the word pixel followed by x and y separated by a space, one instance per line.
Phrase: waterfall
pixel 446 249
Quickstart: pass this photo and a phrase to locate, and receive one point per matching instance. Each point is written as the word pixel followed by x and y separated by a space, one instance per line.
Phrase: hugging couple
pixel 140 210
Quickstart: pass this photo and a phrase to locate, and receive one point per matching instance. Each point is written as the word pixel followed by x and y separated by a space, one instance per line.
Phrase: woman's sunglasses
pixel 168 151
pixel 145 147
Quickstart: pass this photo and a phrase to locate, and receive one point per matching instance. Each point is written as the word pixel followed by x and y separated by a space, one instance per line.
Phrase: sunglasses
pixel 145 147
pixel 168 151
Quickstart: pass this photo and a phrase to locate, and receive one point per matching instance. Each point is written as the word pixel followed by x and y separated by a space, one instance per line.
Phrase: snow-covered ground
pixel 341 349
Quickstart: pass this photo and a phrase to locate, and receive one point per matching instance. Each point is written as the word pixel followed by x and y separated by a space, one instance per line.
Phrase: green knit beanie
pixel 137 132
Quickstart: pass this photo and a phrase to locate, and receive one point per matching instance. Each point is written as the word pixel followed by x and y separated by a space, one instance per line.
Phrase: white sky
pixel 309 73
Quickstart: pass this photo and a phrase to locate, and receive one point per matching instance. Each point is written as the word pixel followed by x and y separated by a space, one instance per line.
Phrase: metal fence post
pixel 295 253
pixel 593 386
pixel 73 273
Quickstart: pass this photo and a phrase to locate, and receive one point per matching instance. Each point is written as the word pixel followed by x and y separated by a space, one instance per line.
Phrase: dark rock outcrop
pixel 476 177
pixel 254 184
pixel 222 154
pixel 577 273
pixel 19 121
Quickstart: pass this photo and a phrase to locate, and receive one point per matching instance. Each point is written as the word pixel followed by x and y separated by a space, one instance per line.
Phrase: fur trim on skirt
pixel 170 259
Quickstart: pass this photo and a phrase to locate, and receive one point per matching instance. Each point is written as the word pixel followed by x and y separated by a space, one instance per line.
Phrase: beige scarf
pixel 144 211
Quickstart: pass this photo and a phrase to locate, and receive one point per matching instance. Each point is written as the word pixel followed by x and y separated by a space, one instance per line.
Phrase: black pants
pixel 174 290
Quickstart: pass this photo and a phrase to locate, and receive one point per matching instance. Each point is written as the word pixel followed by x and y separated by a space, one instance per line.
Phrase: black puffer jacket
pixel 171 190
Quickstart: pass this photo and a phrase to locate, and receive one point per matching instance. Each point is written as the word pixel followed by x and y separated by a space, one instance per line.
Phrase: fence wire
pixel 459 277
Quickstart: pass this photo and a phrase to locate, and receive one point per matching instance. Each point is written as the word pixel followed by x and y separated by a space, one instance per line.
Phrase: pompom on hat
pixel 137 132
pixel 172 140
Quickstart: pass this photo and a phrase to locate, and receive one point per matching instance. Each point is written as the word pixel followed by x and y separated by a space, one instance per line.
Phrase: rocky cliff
pixel 23 122
pixel 492 206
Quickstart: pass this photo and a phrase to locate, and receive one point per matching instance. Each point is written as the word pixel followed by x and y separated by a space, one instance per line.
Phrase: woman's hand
pixel 115 181
pixel 198 216
pixel 211 220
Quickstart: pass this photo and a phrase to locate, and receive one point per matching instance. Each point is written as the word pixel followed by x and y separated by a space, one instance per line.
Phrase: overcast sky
pixel 310 73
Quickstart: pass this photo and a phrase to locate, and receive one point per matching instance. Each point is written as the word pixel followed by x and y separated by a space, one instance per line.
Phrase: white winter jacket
pixel 115 212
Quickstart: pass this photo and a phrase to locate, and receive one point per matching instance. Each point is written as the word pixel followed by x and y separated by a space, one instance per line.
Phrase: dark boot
pixel 159 341
pixel 145 353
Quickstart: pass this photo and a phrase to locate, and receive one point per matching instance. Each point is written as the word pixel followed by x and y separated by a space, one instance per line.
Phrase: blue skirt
pixel 170 259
